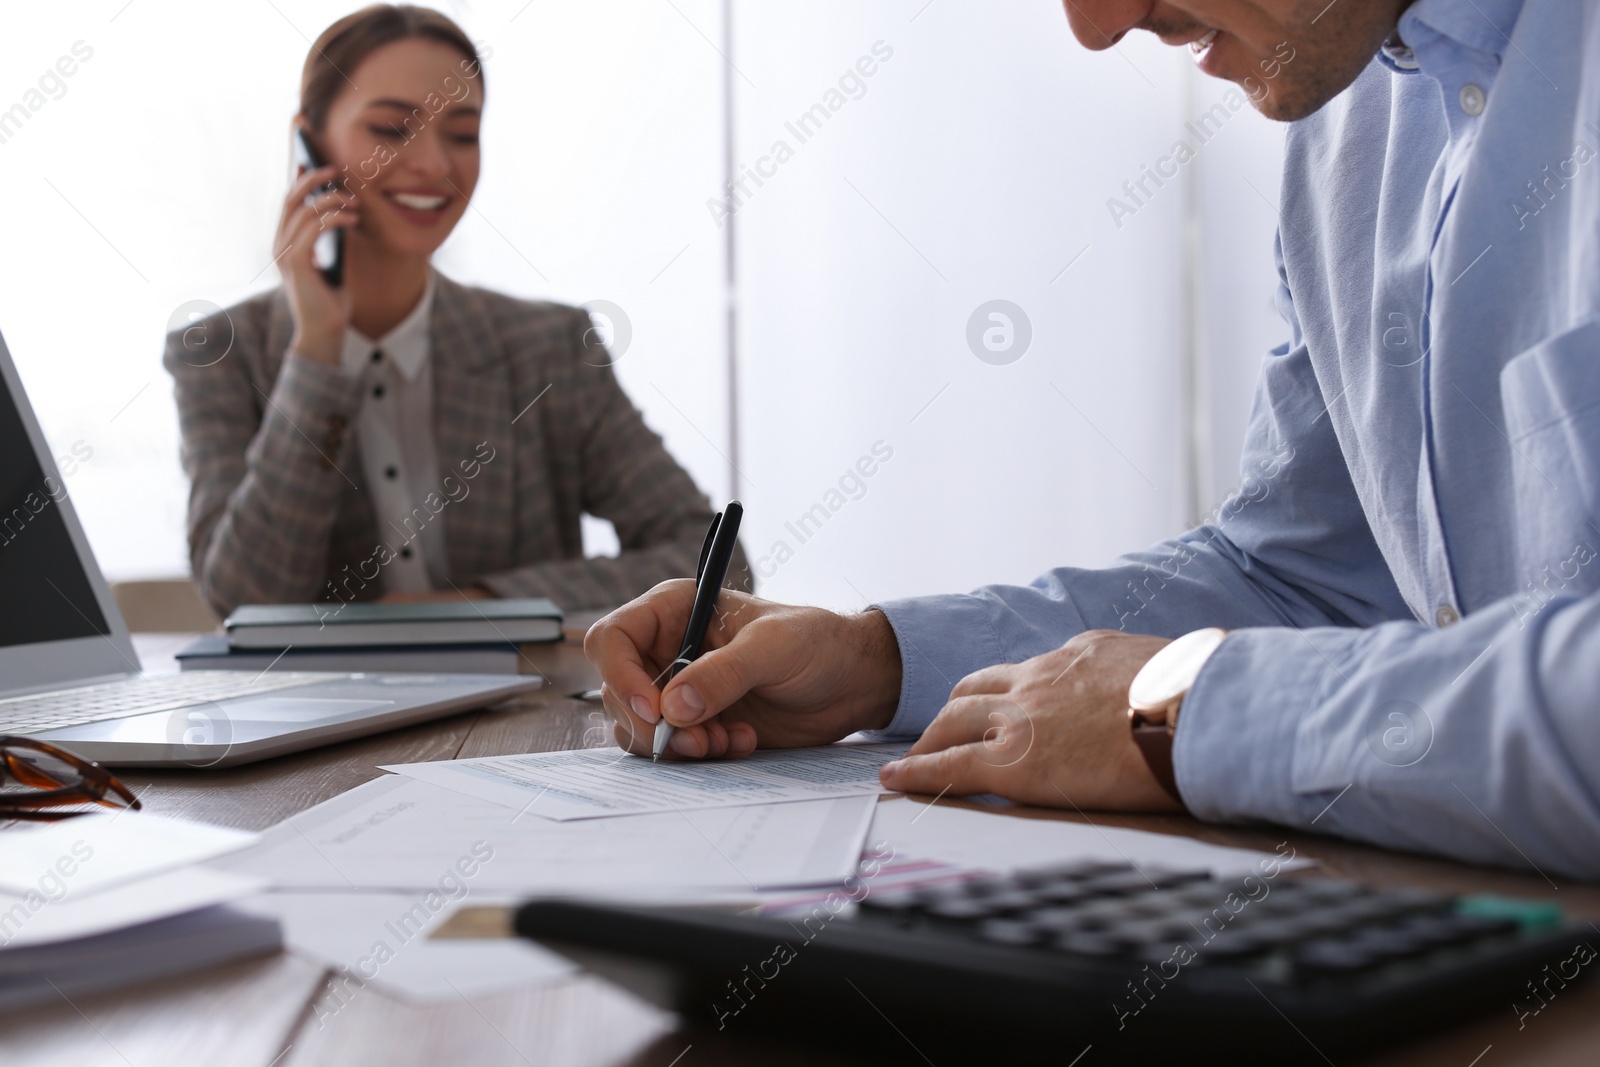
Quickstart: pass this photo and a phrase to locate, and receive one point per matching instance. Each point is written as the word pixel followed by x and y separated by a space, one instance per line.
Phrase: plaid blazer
pixel 529 436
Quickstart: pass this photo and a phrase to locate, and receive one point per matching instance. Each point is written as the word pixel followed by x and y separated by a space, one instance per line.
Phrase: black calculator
pixel 1108 962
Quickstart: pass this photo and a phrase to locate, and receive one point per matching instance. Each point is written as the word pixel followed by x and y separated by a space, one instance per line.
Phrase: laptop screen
pixel 46 595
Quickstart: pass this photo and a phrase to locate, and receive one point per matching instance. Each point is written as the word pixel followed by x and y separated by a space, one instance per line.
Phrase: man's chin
pixel 1286 104
pixel 1279 110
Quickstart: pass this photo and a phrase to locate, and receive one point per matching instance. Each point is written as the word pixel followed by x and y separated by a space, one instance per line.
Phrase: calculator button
pixel 897 904
pixel 1204 895
pixel 1436 931
pixel 1148 932
pixel 1172 879
pixel 1015 900
pixel 1176 930
pixel 1063 893
pixel 962 909
pixel 1089 944
pixel 1101 913
pixel 1476 926
pixel 1011 932
pixel 1066 872
pixel 1119 883
pixel 1391 942
pixel 1331 958
pixel 1283 931
pixel 1403 901
pixel 1326 890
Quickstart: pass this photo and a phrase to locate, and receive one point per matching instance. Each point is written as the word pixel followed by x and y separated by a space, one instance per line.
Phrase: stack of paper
pixel 398 833
pixel 362 880
pixel 107 900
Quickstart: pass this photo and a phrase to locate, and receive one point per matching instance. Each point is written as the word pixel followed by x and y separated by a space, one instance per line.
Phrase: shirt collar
pixel 1431 29
pixel 406 346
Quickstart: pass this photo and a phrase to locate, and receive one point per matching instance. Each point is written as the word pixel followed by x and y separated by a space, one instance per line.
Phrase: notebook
pixel 277 626
pixel 211 652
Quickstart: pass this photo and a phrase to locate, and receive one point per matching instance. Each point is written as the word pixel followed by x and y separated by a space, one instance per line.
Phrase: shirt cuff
pixel 1233 755
pixel 942 639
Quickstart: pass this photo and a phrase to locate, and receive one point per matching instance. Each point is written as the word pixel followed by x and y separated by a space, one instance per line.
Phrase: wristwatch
pixel 1156 693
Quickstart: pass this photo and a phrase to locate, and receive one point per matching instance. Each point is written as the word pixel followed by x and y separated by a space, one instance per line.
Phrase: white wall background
pixel 974 164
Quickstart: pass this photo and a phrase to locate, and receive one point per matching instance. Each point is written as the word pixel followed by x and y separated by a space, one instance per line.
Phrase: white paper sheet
pixel 35 918
pixel 596 782
pixel 1004 843
pixel 381 940
pixel 400 833
pixel 90 852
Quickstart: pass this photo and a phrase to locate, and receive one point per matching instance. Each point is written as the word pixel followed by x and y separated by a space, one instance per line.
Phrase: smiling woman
pixel 432 376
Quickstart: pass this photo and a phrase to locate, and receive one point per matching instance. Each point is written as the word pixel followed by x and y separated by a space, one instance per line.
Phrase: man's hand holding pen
pixel 785 677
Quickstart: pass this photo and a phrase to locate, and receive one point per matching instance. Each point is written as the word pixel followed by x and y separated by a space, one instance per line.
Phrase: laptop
pixel 69 673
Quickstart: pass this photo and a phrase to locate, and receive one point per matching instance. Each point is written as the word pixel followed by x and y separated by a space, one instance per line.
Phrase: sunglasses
pixel 52 777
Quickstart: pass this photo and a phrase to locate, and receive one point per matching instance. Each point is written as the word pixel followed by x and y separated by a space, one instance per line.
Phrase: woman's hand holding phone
pixel 320 311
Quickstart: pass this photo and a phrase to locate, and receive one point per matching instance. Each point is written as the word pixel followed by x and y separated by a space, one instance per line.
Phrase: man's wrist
pixel 880 674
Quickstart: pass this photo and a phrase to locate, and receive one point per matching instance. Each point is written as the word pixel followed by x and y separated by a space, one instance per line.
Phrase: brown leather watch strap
pixel 1155 745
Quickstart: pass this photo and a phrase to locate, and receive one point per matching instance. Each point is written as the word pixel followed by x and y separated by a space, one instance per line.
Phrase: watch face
pixel 1171 672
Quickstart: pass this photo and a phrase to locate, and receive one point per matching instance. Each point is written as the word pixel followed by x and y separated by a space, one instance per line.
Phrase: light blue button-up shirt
pixel 1410 569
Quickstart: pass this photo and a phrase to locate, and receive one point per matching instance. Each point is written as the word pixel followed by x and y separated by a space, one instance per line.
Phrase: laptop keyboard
pixel 136 696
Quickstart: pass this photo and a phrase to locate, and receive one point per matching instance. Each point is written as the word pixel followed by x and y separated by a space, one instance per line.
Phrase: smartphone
pixel 329 251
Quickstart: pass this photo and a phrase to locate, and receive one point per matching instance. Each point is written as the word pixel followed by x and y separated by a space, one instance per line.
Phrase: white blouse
pixel 398 452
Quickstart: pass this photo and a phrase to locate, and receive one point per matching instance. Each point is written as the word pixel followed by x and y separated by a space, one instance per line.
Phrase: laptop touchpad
pixel 226 722
pixel 284 710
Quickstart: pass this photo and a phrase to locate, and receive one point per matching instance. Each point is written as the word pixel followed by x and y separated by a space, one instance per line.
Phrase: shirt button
pixel 377 355
pixel 405 553
pixel 1446 616
pixel 1472 100
pixel 390 473
pixel 377 392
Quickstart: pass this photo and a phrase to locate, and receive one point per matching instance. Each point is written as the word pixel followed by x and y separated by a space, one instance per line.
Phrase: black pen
pixel 715 555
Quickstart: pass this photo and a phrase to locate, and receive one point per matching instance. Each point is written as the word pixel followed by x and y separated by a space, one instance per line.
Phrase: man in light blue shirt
pixel 1409 585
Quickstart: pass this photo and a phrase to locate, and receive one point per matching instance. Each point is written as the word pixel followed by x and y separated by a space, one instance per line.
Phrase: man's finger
pixel 635 726
pixel 959 771
pixel 618 644
pixel 716 740
pixel 754 657
pixel 985 720
pixel 995 679
pixel 741 740
pixel 690 742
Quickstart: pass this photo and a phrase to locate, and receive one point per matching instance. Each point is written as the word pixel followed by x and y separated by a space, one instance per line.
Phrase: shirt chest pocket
pixel 1551 399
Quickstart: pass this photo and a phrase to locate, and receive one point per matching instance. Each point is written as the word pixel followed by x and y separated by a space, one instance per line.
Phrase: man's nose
pixel 1099 24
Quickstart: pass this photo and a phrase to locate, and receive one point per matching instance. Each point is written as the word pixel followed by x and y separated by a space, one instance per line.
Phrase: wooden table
pixel 261 1013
